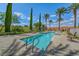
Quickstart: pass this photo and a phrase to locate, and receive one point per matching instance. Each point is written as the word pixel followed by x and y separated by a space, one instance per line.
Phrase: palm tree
pixel 74 8
pixel 40 22
pixel 46 16
pixel 60 12
pixel 31 19
pixel 8 17
pixel 50 22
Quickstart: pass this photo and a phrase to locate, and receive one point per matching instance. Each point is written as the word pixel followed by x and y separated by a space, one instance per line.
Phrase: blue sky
pixel 23 11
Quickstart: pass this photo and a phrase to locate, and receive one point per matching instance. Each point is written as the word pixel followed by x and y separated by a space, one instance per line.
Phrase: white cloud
pixel 21 15
pixel 28 18
pixel 52 15
pixel 18 13
pixel 65 22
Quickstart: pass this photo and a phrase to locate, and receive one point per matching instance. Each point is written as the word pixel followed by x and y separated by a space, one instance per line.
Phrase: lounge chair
pixel 71 36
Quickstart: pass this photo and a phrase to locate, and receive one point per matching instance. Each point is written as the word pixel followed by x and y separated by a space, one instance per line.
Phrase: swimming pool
pixel 40 40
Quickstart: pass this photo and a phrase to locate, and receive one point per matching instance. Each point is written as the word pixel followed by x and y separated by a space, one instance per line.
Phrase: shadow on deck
pixel 15 47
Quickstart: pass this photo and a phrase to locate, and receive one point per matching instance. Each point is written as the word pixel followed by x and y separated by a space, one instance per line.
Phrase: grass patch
pixel 10 33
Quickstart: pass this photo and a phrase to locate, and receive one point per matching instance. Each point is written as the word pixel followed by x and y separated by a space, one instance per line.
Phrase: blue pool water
pixel 40 40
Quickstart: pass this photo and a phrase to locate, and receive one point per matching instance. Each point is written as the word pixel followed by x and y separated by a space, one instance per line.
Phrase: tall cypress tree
pixel 31 19
pixel 8 18
pixel 40 22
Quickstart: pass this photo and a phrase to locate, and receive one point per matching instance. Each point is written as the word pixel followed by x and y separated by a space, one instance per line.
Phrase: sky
pixel 22 10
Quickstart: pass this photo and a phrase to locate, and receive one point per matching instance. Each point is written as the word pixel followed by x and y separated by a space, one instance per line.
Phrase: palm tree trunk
pixel 74 18
pixel 59 21
pixel 50 26
pixel 46 24
pixel 59 25
pixel 8 17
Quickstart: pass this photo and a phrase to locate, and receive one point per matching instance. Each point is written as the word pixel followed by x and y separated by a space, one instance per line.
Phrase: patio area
pixel 60 46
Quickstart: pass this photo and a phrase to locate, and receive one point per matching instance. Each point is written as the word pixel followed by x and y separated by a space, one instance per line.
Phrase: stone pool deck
pixel 60 45
pixel 63 46
pixel 7 40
